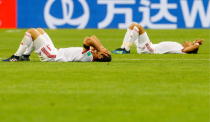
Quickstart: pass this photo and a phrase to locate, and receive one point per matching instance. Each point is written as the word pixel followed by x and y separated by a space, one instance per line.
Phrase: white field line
pixel 169 59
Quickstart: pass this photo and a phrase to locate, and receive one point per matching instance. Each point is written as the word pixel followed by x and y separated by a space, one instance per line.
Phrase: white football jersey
pixel 167 47
pixel 73 54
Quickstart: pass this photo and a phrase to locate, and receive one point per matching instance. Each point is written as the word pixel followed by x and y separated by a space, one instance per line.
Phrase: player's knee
pixel 30 30
pixel 34 33
pixel 132 25
pixel 41 30
pixel 140 28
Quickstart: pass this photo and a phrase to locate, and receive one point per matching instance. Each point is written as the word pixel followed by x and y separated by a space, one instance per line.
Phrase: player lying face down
pixel 136 35
pixel 38 40
pixel 99 52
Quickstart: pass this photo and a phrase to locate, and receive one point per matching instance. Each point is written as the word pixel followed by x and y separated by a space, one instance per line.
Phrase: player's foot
pixel 121 51
pixel 13 58
pixel 18 58
pixel 25 58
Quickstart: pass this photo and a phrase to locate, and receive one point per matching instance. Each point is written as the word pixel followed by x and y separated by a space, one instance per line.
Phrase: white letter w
pixel 197 8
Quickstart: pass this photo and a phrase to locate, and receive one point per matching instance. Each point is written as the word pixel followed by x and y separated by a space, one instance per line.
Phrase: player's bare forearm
pixel 194 46
pixel 96 43
pixel 93 42
pixel 100 46
pixel 190 48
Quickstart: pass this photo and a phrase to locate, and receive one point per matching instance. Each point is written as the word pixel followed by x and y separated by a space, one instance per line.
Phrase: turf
pixel 143 88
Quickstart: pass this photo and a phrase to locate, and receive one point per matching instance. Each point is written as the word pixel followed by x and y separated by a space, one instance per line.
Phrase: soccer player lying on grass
pixel 39 41
pixel 136 35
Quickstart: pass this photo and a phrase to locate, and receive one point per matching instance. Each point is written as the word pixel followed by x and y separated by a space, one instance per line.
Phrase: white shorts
pixel 45 49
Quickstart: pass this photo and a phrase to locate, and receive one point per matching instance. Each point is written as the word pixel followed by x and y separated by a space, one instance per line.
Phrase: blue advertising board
pixel 155 14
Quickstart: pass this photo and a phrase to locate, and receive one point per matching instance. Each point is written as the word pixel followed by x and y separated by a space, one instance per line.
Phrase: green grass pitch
pixel 132 88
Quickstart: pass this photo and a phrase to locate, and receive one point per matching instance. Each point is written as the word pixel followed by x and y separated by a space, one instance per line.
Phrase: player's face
pixel 97 55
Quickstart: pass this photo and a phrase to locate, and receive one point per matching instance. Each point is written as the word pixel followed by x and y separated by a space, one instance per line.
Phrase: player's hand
pixel 199 41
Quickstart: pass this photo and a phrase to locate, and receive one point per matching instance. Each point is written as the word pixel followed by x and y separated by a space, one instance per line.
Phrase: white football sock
pixel 125 38
pixel 25 43
pixel 132 36
pixel 29 50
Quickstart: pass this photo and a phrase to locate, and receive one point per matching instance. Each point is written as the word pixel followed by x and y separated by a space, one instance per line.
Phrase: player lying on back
pixel 38 40
pixel 136 35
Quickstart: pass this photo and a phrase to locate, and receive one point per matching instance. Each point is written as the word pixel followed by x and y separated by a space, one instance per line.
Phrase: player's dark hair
pixel 86 47
pixel 194 51
pixel 105 59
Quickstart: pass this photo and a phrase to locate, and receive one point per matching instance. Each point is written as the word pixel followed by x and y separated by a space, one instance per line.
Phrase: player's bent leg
pixel 132 34
pixel 24 45
pixel 34 34
pixel 45 50
pixel 46 36
pixel 143 44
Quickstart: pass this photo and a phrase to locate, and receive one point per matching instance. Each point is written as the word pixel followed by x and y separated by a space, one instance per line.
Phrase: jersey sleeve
pixel 87 57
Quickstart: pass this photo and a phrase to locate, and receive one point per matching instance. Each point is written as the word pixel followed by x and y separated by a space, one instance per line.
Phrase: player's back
pixel 167 47
pixel 73 54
